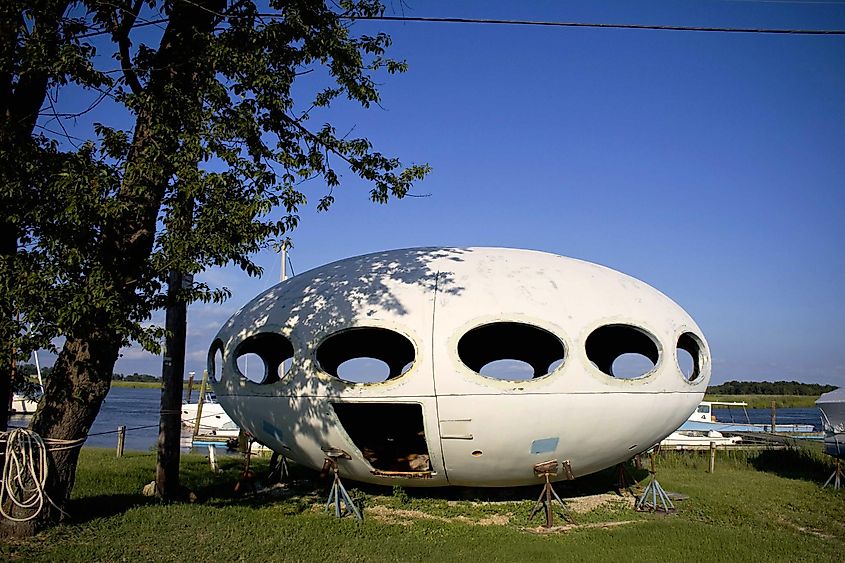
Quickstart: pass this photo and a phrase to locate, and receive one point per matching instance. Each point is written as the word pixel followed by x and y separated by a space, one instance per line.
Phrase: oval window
pixel 366 355
pixel 263 358
pixel 690 356
pixel 215 361
pixel 622 351
pixel 511 351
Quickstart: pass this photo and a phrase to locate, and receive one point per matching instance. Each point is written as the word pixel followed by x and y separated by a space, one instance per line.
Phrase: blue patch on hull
pixel 544 446
pixel 268 428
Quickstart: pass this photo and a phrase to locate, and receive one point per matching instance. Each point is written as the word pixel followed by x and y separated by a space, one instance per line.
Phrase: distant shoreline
pixel 136 384
pixel 765 401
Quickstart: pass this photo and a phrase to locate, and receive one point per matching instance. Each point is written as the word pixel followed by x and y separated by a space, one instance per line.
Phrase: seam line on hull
pixel 433 375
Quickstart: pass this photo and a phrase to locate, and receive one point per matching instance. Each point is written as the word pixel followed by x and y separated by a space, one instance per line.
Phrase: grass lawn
pixel 766 506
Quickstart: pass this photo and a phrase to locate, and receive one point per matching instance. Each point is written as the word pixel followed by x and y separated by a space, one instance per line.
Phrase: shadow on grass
pixel 795 462
pixel 103 506
pixel 799 460
pixel 305 487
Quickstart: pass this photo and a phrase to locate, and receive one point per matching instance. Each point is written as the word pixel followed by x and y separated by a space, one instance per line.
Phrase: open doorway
pixel 391 436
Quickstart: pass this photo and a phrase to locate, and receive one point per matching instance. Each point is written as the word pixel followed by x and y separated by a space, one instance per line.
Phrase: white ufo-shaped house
pixel 480 364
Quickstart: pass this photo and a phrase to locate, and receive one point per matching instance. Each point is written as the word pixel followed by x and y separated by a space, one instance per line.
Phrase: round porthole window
pixel 691 357
pixel 366 355
pixel 263 358
pixel 622 351
pixel 511 351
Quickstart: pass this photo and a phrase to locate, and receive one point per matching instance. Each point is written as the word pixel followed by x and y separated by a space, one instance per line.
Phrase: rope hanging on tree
pixel 25 473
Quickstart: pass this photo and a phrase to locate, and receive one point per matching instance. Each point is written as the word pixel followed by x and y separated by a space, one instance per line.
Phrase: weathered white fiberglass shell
pixel 478 431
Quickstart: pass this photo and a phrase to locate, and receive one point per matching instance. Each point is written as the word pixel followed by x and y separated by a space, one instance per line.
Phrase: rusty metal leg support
pixel 624 481
pixel 339 498
pixel 836 478
pixel 545 501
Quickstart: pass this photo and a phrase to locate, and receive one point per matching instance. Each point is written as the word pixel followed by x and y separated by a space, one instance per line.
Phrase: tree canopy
pixel 217 156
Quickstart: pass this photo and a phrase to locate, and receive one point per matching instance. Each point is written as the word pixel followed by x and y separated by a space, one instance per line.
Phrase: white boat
pixel 213 419
pixel 703 419
pixel 693 439
pixel 23 405
pixel 832 406
pixel 26 403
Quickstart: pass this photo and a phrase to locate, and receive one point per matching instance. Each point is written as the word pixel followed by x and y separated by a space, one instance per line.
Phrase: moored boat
pixel 832 407
pixel 695 439
pixel 703 419
pixel 23 405
pixel 213 419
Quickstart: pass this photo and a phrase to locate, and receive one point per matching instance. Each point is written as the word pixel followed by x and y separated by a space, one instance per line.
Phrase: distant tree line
pixel 143 377
pixel 27 373
pixel 769 388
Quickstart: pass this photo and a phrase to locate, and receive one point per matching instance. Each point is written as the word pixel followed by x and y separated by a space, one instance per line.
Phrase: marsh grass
pixel 765 401
pixel 764 506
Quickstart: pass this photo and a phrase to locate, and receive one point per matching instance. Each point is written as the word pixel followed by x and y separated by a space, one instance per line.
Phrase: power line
pixel 539 23
pixel 600 25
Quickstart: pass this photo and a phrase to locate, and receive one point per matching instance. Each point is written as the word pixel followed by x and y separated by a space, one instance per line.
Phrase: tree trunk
pixel 77 385
pixel 173 368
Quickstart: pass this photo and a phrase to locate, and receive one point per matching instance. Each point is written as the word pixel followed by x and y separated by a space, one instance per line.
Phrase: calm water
pixel 764 416
pixel 137 409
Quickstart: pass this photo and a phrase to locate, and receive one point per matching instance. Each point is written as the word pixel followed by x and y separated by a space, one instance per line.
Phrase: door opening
pixel 391 436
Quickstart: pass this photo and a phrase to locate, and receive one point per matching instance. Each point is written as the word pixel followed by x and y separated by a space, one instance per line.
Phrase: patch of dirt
pixel 400 516
pixel 406 517
pixel 803 530
pixel 569 527
pixel 582 505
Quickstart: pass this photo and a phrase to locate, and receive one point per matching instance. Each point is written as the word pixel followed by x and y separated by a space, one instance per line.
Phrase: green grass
pixel 765 401
pixel 765 506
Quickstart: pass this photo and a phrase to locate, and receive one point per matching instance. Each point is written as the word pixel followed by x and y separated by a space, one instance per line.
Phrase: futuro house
pixel 460 366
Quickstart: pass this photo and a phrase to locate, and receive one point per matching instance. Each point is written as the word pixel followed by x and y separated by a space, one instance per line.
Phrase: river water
pixel 137 409
pixel 764 416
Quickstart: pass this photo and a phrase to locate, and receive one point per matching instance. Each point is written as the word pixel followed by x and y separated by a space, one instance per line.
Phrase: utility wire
pixel 421 19
pixel 602 25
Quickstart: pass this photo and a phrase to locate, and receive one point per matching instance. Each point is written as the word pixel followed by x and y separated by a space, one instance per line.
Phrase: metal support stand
pixel 246 480
pixel 278 468
pixel 624 481
pixel 654 498
pixel 338 497
pixel 548 495
pixel 836 478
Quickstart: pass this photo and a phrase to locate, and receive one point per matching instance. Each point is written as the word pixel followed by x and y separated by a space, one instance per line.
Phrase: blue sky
pixel 708 165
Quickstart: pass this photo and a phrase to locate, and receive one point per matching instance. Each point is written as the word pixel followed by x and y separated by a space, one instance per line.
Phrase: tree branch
pixel 121 36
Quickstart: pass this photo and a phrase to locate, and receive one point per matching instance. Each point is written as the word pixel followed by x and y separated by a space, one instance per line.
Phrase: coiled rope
pixel 25 473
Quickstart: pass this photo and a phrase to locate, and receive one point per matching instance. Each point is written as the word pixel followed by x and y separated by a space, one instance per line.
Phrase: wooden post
pixel 212 458
pixel 172 379
pixel 121 440
pixel 200 402
pixel 190 386
pixel 712 456
pixel 774 416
